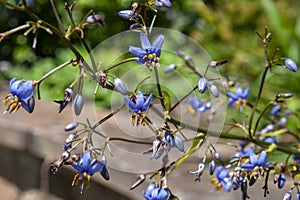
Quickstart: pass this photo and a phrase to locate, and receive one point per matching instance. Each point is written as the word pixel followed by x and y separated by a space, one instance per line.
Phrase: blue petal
pixel 23 89
pixel 262 158
pixel 253 158
pixel 78 168
pixel 145 41
pixel 246 93
pixel 239 91
pixel 86 160
pixel 147 103
pixel 136 51
pixel 157 44
pixel 139 100
pixel 162 194
pixel 105 173
pixel 232 95
pixel 96 166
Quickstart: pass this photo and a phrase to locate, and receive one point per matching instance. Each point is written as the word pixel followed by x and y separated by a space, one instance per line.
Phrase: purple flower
pixel 198 105
pixel 291 65
pixel 138 104
pixel 86 168
pixel 257 164
pixel 155 193
pixel 21 94
pixel 222 179
pixel 148 55
pixel 239 98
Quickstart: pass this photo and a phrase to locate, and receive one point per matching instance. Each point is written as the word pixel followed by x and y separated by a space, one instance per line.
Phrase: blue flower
pixel 198 105
pixel 21 94
pixel 138 104
pixel 257 164
pixel 148 55
pixel 222 179
pixel 155 193
pixel 86 168
pixel 239 98
pixel 291 65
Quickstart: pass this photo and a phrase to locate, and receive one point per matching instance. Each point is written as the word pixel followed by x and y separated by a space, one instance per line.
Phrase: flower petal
pixel 157 44
pixel 145 41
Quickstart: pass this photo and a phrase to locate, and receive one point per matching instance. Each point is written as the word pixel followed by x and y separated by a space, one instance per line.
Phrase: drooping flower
pixel 198 173
pixel 257 164
pixel 239 98
pixel 86 168
pixel 148 55
pixel 155 193
pixel 222 179
pixel 68 93
pixel 138 104
pixel 21 94
pixel 198 105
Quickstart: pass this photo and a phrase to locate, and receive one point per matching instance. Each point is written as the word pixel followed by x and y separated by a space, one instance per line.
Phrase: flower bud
pixel 71 126
pixel 179 143
pixel 65 155
pixel 169 138
pixel 287 196
pixel 212 167
pixel 31 104
pixel 202 84
pixel 78 104
pixel 217 156
pixel 214 90
pixel 120 86
pixel 102 77
pixel 170 68
pixel 276 110
pixel 298 196
pixel 163 3
pixel 139 181
pixel 127 14
pixel 281 181
pixel 284 95
pixel 214 64
pixel 133 26
pixel 95 18
pixel 291 65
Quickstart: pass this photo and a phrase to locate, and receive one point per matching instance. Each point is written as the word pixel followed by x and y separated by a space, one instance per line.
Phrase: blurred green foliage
pixel 224 28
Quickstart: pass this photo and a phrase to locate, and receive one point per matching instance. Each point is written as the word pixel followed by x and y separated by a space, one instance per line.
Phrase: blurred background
pixel 226 29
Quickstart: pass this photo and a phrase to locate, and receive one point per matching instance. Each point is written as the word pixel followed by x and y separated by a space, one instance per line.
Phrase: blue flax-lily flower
pixel 86 168
pixel 148 55
pixel 138 104
pixel 21 94
pixel 222 179
pixel 239 98
pixel 257 164
pixel 155 193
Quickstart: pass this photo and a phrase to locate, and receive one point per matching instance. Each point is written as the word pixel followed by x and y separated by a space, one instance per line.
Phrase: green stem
pixel 159 89
pixel 257 100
